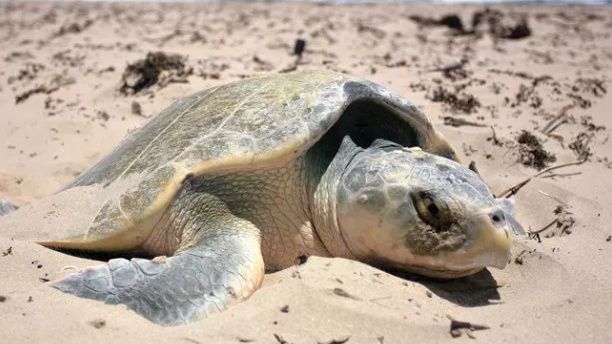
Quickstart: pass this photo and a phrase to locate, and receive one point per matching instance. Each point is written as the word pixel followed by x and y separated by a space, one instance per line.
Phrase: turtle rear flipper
pixel 220 265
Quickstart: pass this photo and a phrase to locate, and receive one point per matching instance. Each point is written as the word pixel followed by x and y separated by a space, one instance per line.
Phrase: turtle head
pixel 411 210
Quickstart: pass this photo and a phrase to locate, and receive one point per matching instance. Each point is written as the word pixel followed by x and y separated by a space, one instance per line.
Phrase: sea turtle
pixel 255 175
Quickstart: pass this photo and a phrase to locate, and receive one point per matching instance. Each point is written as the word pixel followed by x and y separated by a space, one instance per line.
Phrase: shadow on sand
pixel 479 289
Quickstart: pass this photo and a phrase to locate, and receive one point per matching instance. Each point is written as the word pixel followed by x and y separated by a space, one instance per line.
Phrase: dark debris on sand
pixel 565 220
pixel 340 340
pixel 458 102
pixel 73 28
pixel 98 323
pixel 531 152
pixel 157 68
pixel 343 293
pixel 561 225
pixel 454 71
pixel 452 21
pixel 58 81
pixel 458 328
pixel 592 86
pixel 500 25
pixel 494 22
pixel 581 146
pixel 280 339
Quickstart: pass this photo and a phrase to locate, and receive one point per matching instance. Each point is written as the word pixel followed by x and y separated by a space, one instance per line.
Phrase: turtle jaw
pixel 489 246
pixel 492 240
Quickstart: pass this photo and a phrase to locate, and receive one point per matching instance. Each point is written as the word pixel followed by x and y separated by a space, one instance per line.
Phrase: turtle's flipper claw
pixel 194 283
pixel 93 283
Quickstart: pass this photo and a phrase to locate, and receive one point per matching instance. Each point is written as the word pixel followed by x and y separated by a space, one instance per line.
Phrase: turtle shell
pixel 248 124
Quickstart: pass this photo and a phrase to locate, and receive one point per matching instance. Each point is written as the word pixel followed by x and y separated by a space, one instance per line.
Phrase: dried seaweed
pixel 157 68
pixel 531 152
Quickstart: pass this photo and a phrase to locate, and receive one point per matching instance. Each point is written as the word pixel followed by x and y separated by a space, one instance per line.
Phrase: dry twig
pixel 457 328
pixel 494 138
pixel 448 67
pixel 458 122
pixel 543 228
pixel 553 197
pixel 514 189
pixel 553 175
pixel 553 124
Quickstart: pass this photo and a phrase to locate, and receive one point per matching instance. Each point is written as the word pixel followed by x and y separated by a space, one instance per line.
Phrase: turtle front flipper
pixel 219 263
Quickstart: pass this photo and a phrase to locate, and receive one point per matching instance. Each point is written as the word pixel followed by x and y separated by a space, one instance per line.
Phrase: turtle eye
pixel 431 211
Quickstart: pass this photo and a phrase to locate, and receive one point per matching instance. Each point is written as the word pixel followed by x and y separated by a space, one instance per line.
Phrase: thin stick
pixel 549 131
pixel 548 128
pixel 553 197
pixel 494 138
pixel 514 189
pixel 457 122
pixel 562 175
pixel 543 228
pixel 292 67
pixel 449 67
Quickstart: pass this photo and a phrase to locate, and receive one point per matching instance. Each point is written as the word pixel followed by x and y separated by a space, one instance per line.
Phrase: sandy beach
pixel 516 89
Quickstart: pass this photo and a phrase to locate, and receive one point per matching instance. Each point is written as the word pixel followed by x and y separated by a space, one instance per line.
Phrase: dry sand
pixel 70 58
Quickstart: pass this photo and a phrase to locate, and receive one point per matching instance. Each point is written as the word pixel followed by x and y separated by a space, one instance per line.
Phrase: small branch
pixel 280 339
pixel 550 126
pixel 519 258
pixel 494 138
pixel 292 67
pixel 514 189
pixel 458 122
pixel 553 197
pixel 457 328
pixel 562 175
pixel 543 228
pixel 449 67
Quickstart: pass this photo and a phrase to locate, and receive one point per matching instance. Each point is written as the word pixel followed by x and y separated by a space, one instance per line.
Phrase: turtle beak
pixel 492 238
pixel 491 233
